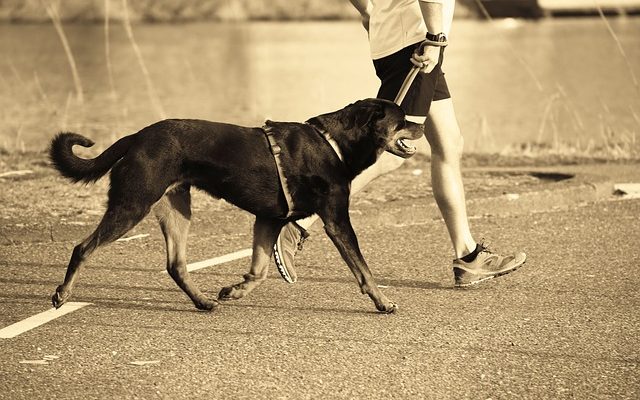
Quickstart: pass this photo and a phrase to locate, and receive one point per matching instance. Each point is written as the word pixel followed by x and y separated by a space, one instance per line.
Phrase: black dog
pixel 156 167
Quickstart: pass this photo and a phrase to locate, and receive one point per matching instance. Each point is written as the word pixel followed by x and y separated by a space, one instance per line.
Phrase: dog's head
pixel 367 128
pixel 385 122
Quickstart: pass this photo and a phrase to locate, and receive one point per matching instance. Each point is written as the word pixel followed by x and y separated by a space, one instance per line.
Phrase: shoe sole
pixel 280 266
pixel 486 278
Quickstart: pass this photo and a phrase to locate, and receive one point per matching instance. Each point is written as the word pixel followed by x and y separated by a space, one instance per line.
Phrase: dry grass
pixel 623 53
pixel 151 90
pixel 57 23
pixel 560 115
pixel 107 52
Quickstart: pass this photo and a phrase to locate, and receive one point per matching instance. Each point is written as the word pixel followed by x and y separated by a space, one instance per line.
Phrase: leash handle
pixel 411 76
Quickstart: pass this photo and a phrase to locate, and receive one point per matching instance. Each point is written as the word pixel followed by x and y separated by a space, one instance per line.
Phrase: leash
pixel 276 150
pixel 411 76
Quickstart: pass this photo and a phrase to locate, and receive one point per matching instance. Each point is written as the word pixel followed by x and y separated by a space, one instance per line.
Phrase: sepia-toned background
pixel 531 84
pixel 547 96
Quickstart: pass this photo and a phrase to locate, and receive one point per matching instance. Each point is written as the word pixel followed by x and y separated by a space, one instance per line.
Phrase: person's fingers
pixel 420 56
pixel 426 65
pixel 429 67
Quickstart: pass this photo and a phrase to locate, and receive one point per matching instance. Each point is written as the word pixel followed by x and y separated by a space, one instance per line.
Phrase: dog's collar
pixel 329 139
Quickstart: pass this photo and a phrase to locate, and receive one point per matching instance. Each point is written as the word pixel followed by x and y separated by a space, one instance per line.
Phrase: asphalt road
pixel 566 325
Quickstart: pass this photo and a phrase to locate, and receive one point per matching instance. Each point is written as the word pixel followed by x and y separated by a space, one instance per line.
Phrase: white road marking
pixel 236 255
pixel 39 319
pixel 49 315
pixel 16 173
pixel 134 237
pixel 142 363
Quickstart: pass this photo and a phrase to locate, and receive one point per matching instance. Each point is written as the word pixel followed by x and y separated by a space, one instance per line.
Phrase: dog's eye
pixel 401 125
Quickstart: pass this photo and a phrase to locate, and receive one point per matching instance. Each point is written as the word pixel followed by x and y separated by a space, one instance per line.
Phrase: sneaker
pixel 485 266
pixel 289 242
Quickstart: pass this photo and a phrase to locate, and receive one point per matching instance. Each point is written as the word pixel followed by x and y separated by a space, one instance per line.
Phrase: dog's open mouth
pixel 400 145
pixel 406 147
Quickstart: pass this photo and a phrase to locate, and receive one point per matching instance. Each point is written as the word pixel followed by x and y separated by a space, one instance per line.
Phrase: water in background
pixel 512 81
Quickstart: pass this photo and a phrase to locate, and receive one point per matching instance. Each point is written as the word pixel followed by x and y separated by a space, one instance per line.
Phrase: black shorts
pixel 393 69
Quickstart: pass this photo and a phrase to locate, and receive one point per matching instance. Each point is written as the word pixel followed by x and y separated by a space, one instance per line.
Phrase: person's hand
pixel 426 58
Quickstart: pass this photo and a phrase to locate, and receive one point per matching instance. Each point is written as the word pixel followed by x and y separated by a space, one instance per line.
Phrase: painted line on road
pixel 236 255
pixel 39 319
pixel 35 321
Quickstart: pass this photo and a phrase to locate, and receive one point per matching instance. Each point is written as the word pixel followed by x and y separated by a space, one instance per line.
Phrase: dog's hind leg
pixel 265 233
pixel 174 215
pixel 117 220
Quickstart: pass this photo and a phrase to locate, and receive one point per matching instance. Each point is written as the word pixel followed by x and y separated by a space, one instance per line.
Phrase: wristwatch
pixel 438 37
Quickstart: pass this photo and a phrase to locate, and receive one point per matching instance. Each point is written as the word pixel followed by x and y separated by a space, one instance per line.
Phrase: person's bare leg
pixel 443 133
pixel 444 137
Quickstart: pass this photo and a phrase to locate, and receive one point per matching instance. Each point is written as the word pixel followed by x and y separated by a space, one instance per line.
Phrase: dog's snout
pixel 414 129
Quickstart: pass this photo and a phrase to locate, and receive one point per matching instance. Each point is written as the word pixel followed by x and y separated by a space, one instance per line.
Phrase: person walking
pixel 404 34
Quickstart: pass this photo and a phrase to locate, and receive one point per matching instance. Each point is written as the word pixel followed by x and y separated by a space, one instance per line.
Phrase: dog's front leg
pixel 341 232
pixel 265 233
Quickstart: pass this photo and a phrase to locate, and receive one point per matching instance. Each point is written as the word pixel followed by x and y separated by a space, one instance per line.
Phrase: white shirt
pixel 396 24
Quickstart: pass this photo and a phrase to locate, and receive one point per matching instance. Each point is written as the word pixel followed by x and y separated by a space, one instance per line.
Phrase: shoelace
pixel 303 235
pixel 301 242
pixel 484 248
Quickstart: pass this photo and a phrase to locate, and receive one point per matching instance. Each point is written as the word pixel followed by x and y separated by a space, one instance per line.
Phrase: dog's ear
pixel 361 114
pixel 330 122
pixel 356 115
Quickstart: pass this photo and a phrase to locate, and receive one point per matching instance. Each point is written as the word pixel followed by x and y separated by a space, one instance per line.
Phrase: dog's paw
pixel 230 293
pixel 59 298
pixel 207 305
pixel 389 308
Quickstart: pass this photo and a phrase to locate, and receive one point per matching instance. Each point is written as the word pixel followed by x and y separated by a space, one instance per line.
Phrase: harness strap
pixel 327 136
pixel 276 150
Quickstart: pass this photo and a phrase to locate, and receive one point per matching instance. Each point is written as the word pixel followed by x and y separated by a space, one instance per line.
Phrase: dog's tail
pixel 86 170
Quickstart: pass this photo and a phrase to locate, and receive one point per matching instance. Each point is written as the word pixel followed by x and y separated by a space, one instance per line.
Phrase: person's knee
pixel 443 133
pixel 450 146
pixel 459 146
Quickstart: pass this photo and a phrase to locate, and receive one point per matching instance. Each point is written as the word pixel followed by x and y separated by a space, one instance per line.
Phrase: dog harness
pixel 276 150
pixel 328 138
